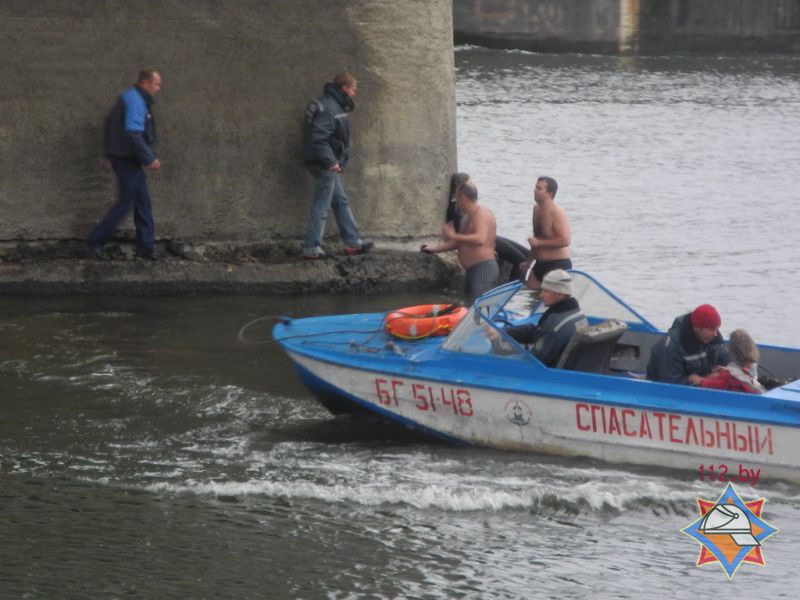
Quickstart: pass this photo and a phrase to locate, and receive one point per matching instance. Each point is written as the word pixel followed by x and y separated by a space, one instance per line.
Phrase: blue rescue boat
pixel 595 403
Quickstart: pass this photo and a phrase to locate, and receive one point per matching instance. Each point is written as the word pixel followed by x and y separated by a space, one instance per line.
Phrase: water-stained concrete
pixel 237 77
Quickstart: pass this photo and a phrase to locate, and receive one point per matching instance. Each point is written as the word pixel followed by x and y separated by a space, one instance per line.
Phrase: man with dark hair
pixel 474 241
pixel 690 350
pixel 551 234
pixel 130 135
pixel 550 184
pixel 326 148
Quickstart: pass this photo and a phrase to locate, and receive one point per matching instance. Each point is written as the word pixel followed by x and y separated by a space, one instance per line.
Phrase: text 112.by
pixel 724 473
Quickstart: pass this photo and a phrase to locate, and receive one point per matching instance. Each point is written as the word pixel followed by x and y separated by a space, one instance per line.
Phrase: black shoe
pixel 148 255
pixel 96 252
pixel 362 249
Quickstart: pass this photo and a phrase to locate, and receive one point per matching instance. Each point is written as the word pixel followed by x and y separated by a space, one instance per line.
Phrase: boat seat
pixel 590 347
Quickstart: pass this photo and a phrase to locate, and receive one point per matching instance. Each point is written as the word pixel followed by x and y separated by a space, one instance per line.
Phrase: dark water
pixel 148 453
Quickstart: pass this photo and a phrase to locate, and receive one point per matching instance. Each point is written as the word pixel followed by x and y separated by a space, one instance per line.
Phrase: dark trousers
pixel 133 194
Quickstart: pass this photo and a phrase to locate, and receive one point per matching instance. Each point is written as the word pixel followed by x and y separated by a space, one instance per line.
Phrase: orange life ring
pixel 417 322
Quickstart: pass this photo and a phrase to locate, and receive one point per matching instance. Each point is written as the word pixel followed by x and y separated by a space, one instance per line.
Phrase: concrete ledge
pixel 257 269
pixel 530 43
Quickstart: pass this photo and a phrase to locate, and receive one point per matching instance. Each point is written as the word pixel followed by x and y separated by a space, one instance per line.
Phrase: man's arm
pixel 548 349
pixel 671 365
pixel 479 235
pixel 322 129
pixel 721 354
pixel 445 247
pixel 135 115
pixel 524 334
pixel 142 151
pixel 718 357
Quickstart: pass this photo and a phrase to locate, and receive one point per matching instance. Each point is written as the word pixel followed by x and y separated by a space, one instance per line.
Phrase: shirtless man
pixel 551 234
pixel 474 242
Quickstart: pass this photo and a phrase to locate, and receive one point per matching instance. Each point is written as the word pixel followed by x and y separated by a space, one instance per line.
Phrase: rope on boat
pixel 241 337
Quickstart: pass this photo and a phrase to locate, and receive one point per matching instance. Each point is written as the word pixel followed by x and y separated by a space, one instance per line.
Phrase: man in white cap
pixel 563 316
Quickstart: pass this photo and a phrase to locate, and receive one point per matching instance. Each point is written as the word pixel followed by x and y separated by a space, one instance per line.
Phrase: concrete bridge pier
pixel 631 26
pixel 237 78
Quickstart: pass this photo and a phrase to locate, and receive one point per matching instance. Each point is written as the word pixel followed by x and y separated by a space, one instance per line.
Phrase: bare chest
pixel 543 222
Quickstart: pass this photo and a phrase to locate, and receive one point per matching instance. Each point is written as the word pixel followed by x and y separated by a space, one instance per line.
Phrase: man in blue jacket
pixel 691 349
pixel 129 139
pixel 326 148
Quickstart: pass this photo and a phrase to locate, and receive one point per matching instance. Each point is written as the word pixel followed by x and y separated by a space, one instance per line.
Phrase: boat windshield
pixel 599 303
pixel 475 332
pixel 480 332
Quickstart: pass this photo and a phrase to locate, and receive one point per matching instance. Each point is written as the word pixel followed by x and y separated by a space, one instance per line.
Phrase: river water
pixel 148 453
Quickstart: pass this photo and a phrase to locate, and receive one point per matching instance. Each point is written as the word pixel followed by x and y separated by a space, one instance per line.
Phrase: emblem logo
pixel 730 531
pixel 518 412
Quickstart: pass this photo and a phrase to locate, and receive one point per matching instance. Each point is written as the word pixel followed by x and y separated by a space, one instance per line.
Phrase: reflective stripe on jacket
pixel 326 130
pixel 679 354
pixel 551 335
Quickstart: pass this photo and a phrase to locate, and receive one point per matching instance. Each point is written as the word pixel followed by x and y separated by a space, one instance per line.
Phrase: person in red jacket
pixel 741 374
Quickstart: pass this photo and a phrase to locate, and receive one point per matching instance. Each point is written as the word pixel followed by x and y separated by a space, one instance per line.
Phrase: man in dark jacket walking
pixel 129 139
pixel 326 147
pixel 690 350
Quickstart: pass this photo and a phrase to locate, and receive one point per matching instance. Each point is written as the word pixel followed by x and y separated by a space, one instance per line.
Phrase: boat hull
pixel 537 422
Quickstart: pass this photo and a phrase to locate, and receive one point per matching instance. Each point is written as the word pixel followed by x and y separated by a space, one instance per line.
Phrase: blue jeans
pixel 133 194
pixel 328 193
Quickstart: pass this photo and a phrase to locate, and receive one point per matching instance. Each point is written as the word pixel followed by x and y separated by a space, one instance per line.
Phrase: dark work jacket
pixel 123 143
pixel 679 354
pixel 553 331
pixel 326 131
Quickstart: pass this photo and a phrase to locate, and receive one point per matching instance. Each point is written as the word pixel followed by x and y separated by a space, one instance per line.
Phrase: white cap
pixel 558 281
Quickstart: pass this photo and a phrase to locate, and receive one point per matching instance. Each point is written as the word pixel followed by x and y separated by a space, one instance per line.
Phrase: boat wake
pixel 353 475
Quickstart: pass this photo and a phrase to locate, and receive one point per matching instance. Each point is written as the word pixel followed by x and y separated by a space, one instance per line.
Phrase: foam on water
pixel 349 476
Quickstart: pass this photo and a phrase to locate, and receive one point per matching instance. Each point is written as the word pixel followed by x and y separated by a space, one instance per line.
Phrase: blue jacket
pixel 679 354
pixel 326 131
pixel 553 331
pixel 130 127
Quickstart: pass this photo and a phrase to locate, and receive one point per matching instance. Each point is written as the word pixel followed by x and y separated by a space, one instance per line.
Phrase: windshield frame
pixel 488 311
pixel 482 314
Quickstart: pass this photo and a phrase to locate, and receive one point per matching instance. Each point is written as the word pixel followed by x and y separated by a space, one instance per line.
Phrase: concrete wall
pixel 539 25
pixel 631 26
pixel 725 26
pixel 237 75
